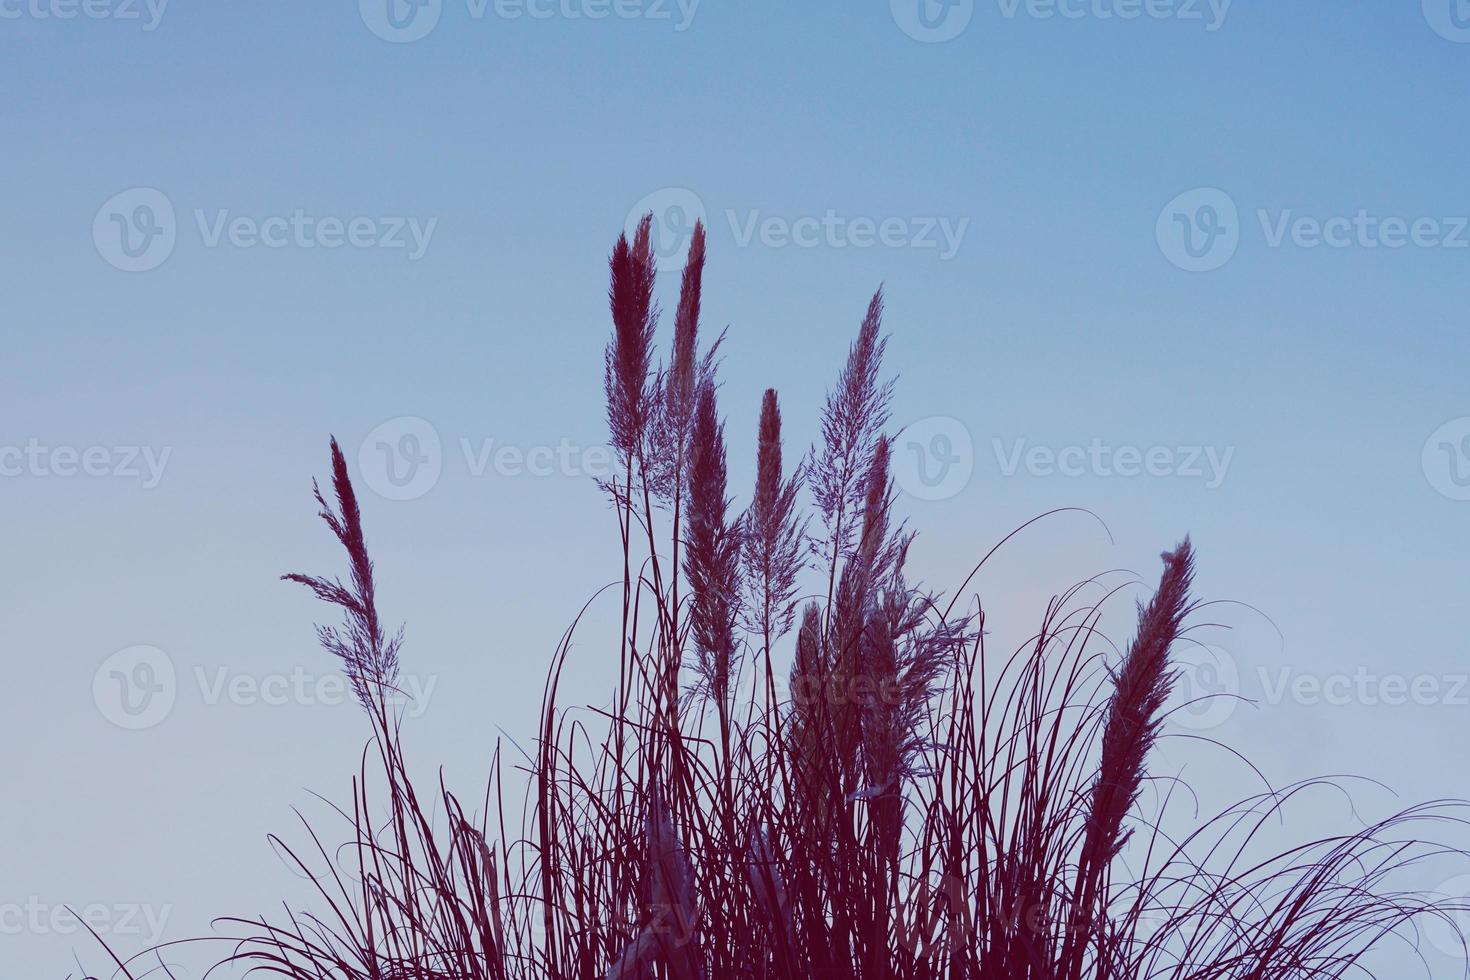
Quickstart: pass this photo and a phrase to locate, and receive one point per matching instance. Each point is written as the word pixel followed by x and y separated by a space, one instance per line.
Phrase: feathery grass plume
pixel 631 399
pixel 883 737
pixel 677 386
pixel 854 415
pixel 405 899
pixel 908 651
pixel 908 657
pixel 808 668
pixel 369 657
pixel 712 553
pixel 683 380
pixel 774 534
pixel 870 561
pixel 874 557
pixel 881 546
pixel 1141 686
pixel 811 674
pixel 808 727
pixel 629 354
pixel 899 668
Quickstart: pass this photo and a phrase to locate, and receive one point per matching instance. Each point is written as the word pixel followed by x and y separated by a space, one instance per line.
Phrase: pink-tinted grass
pixel 906 802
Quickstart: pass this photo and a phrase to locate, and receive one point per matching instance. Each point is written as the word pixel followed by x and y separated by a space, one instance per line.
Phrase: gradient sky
pixel 1062 151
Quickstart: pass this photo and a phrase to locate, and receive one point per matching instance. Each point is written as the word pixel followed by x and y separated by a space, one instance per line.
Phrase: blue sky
pixel 830 150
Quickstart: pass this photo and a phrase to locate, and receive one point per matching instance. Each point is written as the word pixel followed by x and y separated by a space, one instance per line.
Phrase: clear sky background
pixel 828 145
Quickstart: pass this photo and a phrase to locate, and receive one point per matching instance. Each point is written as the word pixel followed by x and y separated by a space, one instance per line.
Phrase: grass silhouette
pixel 904 803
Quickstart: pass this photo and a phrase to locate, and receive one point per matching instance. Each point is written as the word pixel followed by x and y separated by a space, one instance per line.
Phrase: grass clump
pixel 902 802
